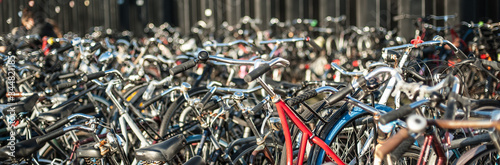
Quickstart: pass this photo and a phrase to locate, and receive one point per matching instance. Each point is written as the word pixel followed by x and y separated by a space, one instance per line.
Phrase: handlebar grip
pixel 49 136
pixel 64 48
pixel 182 67
pixel 259 71
pixel 390 144
pixel 395 114
pixel 95 47
pixel 151 101
pixel 340 95
pixel 313 44
pixel 57 124
pixel 301 98
pixel 493 64
pixel 258 107
pixel 95 75
pixel 211 105
pixel 65 85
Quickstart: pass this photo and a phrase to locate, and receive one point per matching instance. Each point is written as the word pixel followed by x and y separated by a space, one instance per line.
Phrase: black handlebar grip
pixel 341 94
pixel 182 67
pixel 395 114
pixel 150 101
pixel 258 107
pixel 203 56
pixel 313 44
pixel 49 136
pixel 493 64
pixel 259 71
pixel 65 85
pixel 95 75
pixel 301 98
pixel 64 48
pixel 57 124
pixel 95 47
pixel 211 105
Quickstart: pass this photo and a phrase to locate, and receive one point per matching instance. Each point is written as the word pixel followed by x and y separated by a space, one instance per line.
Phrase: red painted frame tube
pixel 439 150
pixel 303 145
pixel 286 132
pixel 283 111
pixel 432 140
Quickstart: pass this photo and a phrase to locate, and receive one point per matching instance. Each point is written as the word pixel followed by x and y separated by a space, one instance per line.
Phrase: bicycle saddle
pixel 55 114
pixel 22 149
pixel 88 151
pixel 25 105
pixel 197 160
pixel 163 151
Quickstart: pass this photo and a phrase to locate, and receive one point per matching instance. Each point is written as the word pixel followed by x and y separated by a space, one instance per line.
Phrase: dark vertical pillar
pixel 366 13
pixel 327 8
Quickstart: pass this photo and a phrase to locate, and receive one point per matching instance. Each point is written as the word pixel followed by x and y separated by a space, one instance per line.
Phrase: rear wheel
pixel 483 154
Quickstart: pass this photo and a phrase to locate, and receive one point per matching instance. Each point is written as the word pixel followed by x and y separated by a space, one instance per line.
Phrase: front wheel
pixel 352 137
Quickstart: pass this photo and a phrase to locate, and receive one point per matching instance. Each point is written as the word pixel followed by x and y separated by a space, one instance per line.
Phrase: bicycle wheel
pixel 173 111
pixel 483 154
pixel 351 137
pixel 242 155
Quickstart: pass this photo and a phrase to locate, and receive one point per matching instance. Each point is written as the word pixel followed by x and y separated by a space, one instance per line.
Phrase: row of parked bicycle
pixel 291 94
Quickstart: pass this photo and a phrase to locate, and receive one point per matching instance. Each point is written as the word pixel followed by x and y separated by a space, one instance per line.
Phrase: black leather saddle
pixel 25 106
pixel 55 114
pixel 88 151
pixel 163 151
pixel 197 160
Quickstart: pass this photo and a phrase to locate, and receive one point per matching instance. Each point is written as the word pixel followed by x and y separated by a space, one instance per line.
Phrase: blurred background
pixel 78 16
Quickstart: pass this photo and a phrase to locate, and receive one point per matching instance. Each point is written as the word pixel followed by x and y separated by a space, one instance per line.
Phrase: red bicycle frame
pixel 283 111
pixel 431 140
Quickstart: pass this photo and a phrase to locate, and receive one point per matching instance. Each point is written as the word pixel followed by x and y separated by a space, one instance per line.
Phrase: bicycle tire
pixel 175 107
pixel 333 130
pixel 482 154
pixel 247 149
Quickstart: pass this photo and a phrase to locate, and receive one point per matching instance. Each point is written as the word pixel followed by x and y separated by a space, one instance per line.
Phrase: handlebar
pixel 228 44
pixel 282 40
pixel 263 68
pixel 437 40
pixel 401 112
pixel 89 77
pixel 344 72
pixel 63 121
